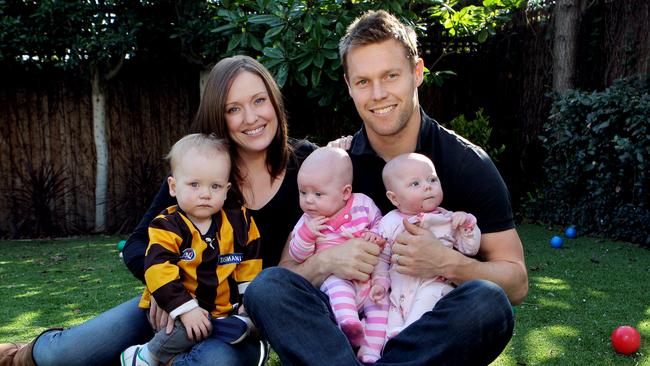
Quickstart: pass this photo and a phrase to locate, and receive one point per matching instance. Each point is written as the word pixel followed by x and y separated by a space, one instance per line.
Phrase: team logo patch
pixel 188 254
pixel 234 258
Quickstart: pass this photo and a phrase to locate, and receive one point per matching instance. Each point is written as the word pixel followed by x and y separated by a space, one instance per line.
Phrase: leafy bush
pixel 598 162
pixel 33 202
pixel 298 40
pixel 478 131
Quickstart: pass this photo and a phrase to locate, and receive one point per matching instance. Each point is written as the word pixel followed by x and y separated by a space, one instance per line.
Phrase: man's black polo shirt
pixel 470 181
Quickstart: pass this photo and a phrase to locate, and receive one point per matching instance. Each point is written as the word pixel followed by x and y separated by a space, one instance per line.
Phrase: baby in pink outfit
pixel 332 215
pixel 413 187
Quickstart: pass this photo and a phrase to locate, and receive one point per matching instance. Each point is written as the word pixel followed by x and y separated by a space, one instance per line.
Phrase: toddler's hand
pixel 377 292
pixel 197 324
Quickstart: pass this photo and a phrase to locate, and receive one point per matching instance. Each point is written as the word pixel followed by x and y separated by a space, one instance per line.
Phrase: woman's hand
pixel 159 318
pixel 197 324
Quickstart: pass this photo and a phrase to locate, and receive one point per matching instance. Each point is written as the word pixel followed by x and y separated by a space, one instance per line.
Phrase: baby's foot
pixel 353 329
pixel 368 355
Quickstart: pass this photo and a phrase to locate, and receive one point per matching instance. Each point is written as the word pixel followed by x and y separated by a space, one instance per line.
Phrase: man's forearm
pixel 312 269
pixel 510 276
pixel 502 263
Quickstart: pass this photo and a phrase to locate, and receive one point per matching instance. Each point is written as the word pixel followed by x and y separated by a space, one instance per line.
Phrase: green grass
pixel 578 294
pixel 59 283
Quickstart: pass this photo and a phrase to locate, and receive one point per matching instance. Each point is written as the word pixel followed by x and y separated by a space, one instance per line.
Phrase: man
pixel 474 322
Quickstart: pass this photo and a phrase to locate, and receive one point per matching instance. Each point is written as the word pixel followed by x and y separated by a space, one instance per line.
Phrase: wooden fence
pixel 46 121
pixel 47 153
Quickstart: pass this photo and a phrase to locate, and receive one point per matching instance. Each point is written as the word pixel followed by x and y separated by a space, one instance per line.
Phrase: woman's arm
pixel 136 244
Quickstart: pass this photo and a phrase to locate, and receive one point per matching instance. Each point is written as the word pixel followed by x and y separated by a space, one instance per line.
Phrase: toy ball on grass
pixel 571 232
pixel 556 242
pixel 120 245
pixel 626 339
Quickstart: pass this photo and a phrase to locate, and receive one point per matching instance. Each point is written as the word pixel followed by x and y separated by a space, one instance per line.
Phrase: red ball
pixel 626 339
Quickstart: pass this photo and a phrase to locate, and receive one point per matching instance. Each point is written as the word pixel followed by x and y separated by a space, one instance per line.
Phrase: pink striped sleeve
pixel 303 242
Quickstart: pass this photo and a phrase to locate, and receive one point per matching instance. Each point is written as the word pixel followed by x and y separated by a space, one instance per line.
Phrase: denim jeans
pixel 469 326
pixel 100 340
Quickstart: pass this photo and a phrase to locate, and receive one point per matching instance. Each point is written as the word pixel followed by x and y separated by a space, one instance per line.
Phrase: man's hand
pixel 197 324
pixel 353 260
pixel 343 142
pixel 418 253
pixel 159 318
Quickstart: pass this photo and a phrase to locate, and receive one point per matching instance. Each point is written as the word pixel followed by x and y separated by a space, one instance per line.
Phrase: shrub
pixel 34 201
pixel 598 162
pixel 478 131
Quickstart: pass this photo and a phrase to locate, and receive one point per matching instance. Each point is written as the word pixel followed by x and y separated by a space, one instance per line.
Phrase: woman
pixel 242 103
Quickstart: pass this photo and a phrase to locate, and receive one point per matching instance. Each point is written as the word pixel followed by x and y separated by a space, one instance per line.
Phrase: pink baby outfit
pixel 347 298
pixel 411 297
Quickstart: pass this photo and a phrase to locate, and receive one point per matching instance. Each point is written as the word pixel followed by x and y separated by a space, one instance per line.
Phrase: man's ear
pixel 393 199
pixel 228 186
pixel 172 186
pixel 347 82
pixel 419 71
pixel 347 192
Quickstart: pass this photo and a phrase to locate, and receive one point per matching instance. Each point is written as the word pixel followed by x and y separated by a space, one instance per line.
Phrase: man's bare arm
pixel 352 260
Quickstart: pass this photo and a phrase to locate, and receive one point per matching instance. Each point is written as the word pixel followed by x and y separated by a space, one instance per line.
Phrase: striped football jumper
pixel 214 269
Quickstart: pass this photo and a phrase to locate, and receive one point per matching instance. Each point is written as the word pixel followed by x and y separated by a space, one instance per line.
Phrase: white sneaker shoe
pixel 132 357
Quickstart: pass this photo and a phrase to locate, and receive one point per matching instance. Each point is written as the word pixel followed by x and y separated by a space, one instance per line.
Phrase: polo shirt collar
pixel 362 145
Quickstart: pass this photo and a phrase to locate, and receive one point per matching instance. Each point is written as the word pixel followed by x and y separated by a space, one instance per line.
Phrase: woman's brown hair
pixel 211 116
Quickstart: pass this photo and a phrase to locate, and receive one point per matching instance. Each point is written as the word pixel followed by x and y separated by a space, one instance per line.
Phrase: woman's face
pixel 250 116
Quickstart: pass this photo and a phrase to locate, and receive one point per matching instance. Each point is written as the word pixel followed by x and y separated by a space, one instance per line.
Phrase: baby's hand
pixel 197 324
pixel 462 219
pixel 417 219
pixel 377 292
pixel 374 238
pixel 316 224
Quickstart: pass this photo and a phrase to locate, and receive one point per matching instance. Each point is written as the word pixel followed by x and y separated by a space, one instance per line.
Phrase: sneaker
pixel 132 357
pixel 232 329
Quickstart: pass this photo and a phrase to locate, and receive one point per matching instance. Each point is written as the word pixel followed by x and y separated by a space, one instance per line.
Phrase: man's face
pixel 383 84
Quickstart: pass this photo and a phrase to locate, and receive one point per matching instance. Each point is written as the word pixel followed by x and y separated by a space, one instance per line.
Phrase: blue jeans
pixel 100 340
pixel 469 326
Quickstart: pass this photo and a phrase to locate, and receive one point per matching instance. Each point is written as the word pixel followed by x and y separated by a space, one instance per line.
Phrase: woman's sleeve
pixel 136 244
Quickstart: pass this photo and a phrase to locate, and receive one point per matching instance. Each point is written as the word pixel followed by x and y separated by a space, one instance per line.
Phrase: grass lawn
pixel 578 294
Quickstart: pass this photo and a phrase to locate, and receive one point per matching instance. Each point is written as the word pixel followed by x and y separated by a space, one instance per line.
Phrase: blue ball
pixel 571 232
pixel 556 242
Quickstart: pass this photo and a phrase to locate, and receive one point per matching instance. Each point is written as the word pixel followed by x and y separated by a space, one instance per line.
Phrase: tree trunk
pixel 566 16
pixel 101 149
